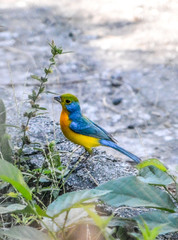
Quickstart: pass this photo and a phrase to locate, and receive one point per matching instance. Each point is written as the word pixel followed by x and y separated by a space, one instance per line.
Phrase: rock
pixel 117 101
pixel 116 83
pixel 131 126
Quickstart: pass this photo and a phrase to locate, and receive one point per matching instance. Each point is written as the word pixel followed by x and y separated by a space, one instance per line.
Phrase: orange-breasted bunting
pixel 82 131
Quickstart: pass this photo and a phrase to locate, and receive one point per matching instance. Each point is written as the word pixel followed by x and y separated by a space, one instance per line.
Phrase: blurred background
pixel 123 66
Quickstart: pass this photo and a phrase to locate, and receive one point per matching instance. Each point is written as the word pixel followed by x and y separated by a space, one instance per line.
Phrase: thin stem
pixel 65 220
pixel 77 163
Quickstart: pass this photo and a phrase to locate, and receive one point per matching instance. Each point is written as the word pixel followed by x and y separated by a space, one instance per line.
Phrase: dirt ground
pixel 123 67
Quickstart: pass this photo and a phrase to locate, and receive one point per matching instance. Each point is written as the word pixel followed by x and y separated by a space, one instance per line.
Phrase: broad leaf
pixel 152 162
pixel 11 208
pixel 33 210
pixel 167 221
pixel 24 233
pixel 69 200
pixel 122 222
pixel 13 175
pixel 130 191
pixel 154 176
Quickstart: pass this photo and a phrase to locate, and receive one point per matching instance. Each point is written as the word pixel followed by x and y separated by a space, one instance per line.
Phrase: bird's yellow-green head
pixel 69 102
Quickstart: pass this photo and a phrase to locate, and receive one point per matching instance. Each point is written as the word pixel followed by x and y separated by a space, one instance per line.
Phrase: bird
pixel 82 131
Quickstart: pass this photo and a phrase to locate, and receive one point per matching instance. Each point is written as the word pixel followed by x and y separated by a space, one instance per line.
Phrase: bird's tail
pixel 122 150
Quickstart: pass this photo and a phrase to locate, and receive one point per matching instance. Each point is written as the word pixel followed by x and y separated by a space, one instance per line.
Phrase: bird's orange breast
pixel 86 141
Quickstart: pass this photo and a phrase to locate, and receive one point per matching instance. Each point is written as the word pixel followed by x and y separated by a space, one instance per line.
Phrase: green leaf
pixel 152 162
pixel 155 232
pixel 122 222
pixel 36 77
pixel 24 233
pixel 11 208
pixel 12 194
pixel 2 119
pixel 101 222
pixel 167 221
pixel 2 112
pixel 148 233
pixel 32 210
pixel 48 70
pixel 153 175
pixel 130 191
pixel 10 125
pixel 42 108
pixel 52 93
pixel 13 175
pixel 70 200
pixel 40 211
pixel 6 148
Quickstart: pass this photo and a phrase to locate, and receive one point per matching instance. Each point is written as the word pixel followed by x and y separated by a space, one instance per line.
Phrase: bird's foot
pixel 81 161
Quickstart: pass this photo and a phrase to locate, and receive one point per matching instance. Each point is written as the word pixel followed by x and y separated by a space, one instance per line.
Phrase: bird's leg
pixel 88 154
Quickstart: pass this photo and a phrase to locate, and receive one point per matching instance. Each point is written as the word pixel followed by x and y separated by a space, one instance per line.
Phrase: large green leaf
pixel 152 162
pixel 13 175
pixel 11 208
pixel 6 148
pixel 2 112
pixel 24 233
pixel 69 200
pixel 167 221
pixel 154 176
pixel 130 191
pixel 32 210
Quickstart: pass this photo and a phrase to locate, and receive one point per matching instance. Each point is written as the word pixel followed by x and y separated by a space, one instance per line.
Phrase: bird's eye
pixel 67 101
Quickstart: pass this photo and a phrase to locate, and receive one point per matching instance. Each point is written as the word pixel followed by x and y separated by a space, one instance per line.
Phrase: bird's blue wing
pixel 86 127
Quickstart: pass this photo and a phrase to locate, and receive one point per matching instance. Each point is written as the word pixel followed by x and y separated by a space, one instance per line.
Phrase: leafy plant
pixel 35 109
pixel 146 232
pixel 142 191
pixel 129 191
pixel 5 146
pixel 64 203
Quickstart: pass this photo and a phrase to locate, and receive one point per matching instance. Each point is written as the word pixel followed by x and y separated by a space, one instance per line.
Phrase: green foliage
pixel 168 222
pixel 128 191
pixel 101 222
pixel 2 119
pixel 146 232
pixel 11 208
pixel 155 176
pixel 13 175
pixel 2 112
pixel 136 192
pixel 132 192
pixel 34 109
pixel 5 146
pixel 72 200
pixel 24 232
pixel 152 162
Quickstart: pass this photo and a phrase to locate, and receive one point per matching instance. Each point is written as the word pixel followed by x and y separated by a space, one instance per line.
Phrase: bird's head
pixel 68 102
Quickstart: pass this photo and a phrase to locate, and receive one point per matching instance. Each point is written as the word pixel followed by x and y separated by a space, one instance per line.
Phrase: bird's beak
pixel 58 99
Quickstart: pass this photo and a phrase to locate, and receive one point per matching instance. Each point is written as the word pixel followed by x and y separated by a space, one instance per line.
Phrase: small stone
pixel 117 101
pixel 131 126
pixel 71 35
pixel 167 124
pixel 116 83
